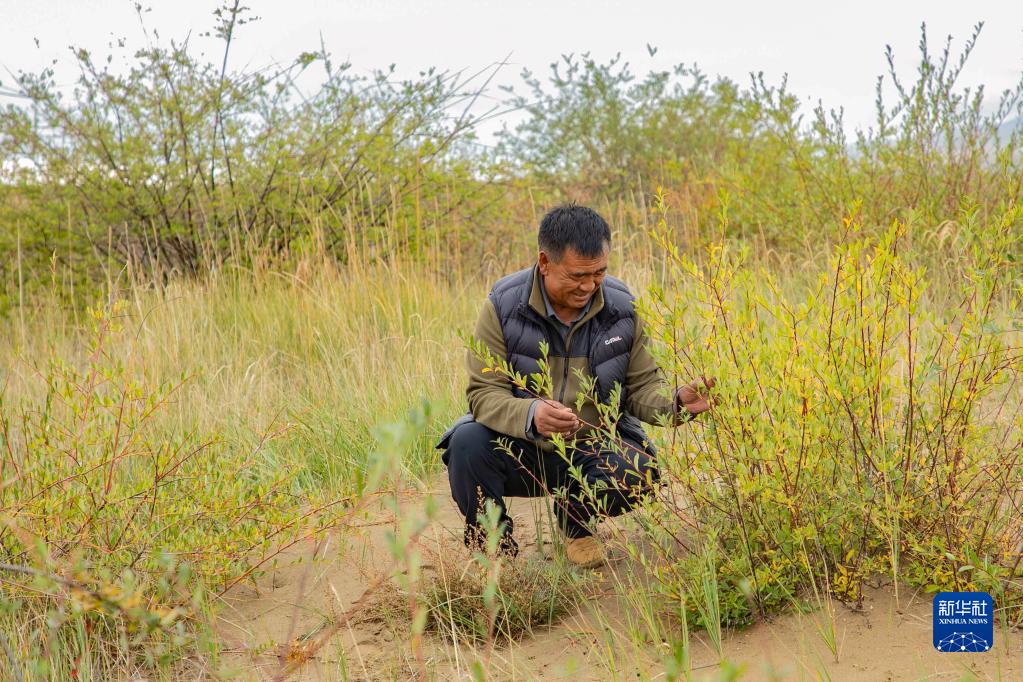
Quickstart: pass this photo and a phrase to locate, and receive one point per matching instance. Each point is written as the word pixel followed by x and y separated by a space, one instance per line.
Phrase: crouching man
pixel 502 447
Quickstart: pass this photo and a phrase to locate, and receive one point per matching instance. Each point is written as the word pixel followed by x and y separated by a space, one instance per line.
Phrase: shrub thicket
pixel 859 428
pixel 181 163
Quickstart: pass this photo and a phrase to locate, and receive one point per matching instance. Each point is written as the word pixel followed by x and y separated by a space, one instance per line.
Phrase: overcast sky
pixel 830 51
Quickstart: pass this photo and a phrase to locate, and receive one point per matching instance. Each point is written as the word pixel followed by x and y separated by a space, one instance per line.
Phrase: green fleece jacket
pixel 648 395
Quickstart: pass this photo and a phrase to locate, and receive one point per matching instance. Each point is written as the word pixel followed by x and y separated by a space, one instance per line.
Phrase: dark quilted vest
pixel 606 339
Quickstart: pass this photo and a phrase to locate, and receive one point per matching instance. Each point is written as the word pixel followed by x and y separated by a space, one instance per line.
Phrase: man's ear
pixel 544 263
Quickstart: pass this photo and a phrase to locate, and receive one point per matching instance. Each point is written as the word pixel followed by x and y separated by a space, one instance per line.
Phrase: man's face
pixel 572 281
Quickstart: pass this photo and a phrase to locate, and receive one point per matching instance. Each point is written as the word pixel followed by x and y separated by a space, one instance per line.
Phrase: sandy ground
pixel 890 639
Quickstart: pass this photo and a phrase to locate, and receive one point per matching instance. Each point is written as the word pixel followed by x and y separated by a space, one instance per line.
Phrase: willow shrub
pixel 121 528
pixel 858 432
pixel 787 176
pixel 172 162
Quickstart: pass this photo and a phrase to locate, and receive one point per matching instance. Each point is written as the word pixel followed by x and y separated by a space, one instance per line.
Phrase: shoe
pixel 584 552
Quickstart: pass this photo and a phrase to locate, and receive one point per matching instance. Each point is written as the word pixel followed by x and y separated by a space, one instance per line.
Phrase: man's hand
pixel 552 417
pixel 695 396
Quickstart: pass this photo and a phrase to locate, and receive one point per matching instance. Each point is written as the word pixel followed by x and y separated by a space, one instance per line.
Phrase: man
pixel 586 317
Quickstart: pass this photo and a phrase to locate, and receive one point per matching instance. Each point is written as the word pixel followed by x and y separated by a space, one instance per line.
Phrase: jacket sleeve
pixel 648 397
pixel 490 393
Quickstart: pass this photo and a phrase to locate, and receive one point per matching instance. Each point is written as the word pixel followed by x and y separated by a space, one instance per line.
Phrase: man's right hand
pixel 552 417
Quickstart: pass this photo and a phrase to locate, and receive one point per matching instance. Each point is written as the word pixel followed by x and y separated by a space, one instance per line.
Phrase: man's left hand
pixel 695 396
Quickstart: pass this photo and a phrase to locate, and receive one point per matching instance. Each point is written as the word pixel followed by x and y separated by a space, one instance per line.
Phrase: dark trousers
pixel 605 481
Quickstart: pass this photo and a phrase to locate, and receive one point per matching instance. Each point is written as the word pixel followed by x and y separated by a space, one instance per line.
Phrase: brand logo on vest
pixel 614 339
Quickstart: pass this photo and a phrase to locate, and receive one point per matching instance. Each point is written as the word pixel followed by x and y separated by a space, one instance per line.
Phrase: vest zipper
pixel 564 377
pixel 568 346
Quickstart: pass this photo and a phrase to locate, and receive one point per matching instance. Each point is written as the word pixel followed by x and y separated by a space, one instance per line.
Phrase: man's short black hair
pixel 573 226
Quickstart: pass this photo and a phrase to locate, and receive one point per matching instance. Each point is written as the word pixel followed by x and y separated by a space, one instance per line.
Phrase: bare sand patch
pixel 889 639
